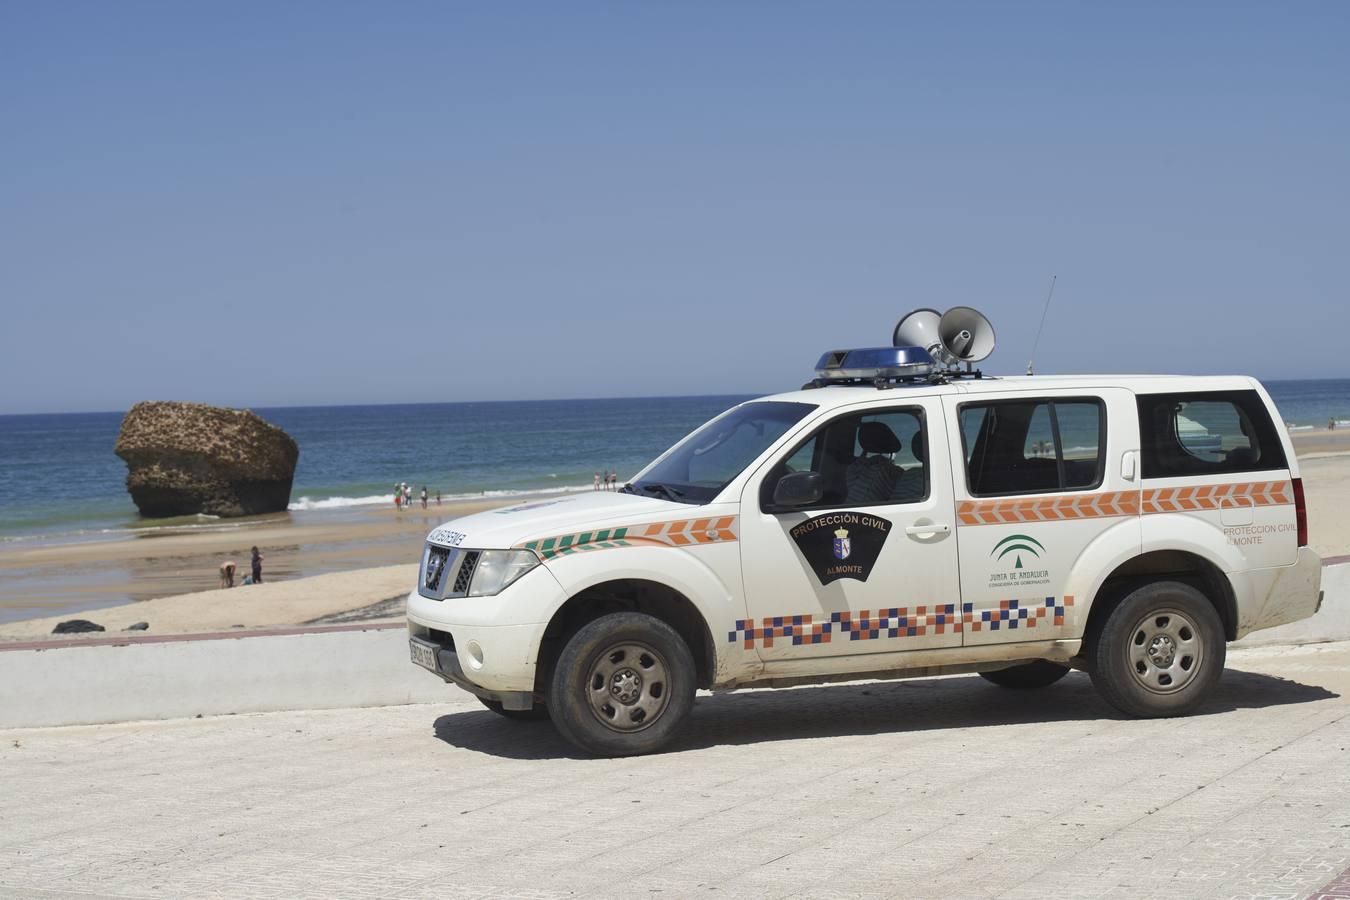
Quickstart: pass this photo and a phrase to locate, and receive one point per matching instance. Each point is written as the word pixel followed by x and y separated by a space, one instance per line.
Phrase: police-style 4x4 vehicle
pixel 890 520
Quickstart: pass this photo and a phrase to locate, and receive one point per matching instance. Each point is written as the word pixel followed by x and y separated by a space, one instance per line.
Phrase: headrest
pixel 916 446
pixel 877 437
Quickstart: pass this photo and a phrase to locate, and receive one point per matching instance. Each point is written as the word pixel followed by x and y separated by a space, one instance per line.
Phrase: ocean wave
pixel 1340 423
pixel 207 524
pixel 309 503
pixel 305 503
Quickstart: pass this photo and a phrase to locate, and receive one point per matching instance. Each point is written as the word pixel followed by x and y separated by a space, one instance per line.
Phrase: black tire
pixel 609 660
pixel 1038 674
pixel 1127 658
pixel 536 713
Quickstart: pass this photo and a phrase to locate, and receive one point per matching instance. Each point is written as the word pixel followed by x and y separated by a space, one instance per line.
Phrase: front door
pixel 871 567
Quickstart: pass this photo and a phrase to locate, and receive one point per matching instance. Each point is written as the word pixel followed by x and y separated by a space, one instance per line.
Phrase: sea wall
pixel 80 682
pixel 126 678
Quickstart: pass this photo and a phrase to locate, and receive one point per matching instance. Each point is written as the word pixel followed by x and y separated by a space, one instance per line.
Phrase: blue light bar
pixel 875 362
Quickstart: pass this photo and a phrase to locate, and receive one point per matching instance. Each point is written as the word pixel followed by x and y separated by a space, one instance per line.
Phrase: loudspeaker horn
pixel 920 329
pixel 966 334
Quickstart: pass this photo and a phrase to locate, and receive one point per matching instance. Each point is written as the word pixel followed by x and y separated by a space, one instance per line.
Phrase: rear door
pixel 1039 478
pixel 872 567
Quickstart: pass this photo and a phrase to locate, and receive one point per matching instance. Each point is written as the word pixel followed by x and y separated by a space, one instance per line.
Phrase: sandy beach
pixel 171 579
pixel 355 563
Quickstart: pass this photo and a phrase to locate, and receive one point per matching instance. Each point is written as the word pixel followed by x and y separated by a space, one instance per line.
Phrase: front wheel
pixel 1160 651
pixel 622 685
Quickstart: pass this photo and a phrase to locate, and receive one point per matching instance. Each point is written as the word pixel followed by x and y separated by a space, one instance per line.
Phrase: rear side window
pixel 1207 433
pixel 1033 446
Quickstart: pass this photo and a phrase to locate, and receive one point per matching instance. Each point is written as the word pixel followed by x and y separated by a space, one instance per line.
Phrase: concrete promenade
pixel 941 787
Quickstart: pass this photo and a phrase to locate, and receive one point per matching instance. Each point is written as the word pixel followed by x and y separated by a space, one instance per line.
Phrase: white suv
pixel 1016 527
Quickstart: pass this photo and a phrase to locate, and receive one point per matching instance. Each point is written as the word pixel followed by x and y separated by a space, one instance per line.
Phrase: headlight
pixel 496 570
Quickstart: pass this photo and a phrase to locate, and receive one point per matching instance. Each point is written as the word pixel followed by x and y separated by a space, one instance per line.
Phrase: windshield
pixel 697 469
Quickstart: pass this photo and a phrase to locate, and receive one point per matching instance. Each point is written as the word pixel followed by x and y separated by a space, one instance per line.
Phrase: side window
pixel 1080 434
pixel 1207 433
pixel 1031 446
pixel 865 459
pixel 1040 440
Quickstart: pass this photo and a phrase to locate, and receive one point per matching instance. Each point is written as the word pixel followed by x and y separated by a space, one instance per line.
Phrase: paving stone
pixel 940 787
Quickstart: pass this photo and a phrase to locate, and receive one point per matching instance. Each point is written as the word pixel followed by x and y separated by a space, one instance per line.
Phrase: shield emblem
pixel 842 545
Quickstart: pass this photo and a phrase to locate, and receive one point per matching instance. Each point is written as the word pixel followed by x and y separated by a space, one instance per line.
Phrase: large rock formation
pixel 186 458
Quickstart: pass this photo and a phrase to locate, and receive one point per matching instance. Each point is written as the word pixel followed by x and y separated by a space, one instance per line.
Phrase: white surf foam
pixel 305 503
pixel 309 503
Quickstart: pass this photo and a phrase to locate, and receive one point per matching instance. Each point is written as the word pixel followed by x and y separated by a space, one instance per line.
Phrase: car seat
pixel 872 476
pixel 913 482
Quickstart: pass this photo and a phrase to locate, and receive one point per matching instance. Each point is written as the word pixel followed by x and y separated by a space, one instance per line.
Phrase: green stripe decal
pixel 565 544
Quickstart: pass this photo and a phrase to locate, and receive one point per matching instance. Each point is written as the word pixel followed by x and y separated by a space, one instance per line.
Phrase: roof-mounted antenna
pixel 1031 370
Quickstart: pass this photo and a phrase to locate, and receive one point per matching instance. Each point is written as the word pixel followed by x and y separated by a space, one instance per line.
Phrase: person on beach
pixel 227 573
pixel 398 496
pixel 438 498
pixel 595 485
pixel 257 566
pixel 407 495
pixel 613 479
pixel 424 496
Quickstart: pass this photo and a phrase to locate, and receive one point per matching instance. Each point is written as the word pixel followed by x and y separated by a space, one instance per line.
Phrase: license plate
pixel 423 654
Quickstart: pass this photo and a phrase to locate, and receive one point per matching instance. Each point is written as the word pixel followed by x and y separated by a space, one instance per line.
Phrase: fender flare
pixel 670 567
pixel 1105 555
pixel 1200 538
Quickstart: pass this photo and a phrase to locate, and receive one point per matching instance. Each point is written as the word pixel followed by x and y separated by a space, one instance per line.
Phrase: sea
pixel 59 478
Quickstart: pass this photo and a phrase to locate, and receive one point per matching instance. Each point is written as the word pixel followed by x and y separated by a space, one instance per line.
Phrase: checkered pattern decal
pixel 899 622
pixel 667 534
pixel 1012 614
pixel 798 629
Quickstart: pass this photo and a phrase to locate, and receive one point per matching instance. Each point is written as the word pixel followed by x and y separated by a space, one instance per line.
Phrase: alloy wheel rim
pixel 628 686
pixel 1165 651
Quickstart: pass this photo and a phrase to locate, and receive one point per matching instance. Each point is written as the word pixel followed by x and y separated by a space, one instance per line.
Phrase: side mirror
pixel 799 489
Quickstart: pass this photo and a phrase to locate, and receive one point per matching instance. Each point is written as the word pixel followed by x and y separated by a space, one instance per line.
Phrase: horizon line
pixel 99 412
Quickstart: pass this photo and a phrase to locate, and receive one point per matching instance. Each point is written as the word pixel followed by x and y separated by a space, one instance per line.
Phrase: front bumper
pixel 494 641
pixel 448 668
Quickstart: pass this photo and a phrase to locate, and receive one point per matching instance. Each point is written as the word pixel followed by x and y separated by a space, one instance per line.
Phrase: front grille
pixel 434 573
pixel 465 575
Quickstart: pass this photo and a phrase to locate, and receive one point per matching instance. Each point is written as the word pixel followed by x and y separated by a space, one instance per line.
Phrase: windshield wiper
pixel 657 488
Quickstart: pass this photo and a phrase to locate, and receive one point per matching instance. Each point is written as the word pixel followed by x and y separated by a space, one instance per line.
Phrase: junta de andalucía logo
pixel 1017 544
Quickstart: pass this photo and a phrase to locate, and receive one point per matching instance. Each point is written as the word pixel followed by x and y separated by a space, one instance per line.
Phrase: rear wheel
pixel 1160 651
pixel 1027 676
pixel 534 714
pixel 622 685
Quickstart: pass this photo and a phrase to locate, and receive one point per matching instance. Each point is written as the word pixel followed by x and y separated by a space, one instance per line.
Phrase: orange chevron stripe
pixel 1063 507
pixel 1216 496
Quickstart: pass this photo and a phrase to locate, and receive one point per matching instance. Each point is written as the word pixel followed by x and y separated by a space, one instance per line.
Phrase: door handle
pixel 930 528
pixel 1128 465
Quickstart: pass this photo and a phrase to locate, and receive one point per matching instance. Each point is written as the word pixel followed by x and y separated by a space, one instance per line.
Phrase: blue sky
pixel 270 204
